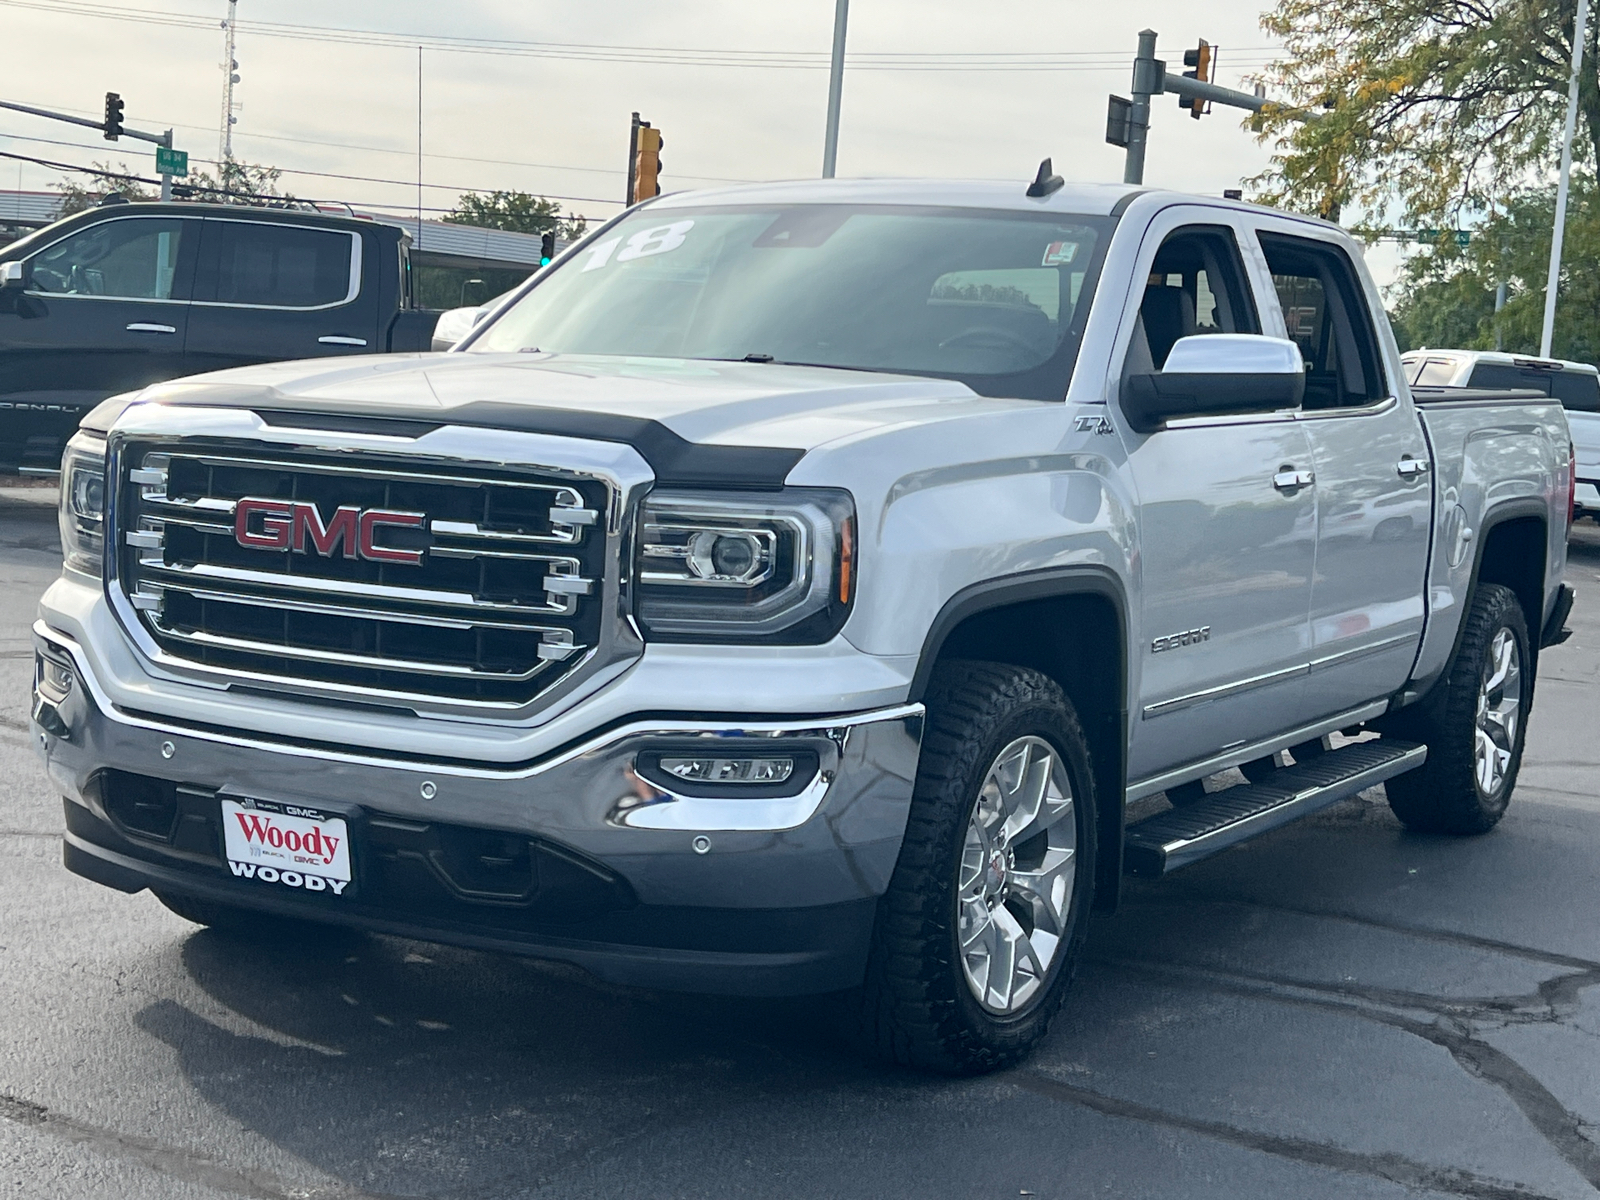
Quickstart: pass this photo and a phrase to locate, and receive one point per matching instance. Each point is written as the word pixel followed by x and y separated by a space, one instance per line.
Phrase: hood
pixel 713 403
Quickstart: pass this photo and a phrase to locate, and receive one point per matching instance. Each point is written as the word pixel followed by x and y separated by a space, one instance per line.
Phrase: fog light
pixel 55 678
pixel 729 770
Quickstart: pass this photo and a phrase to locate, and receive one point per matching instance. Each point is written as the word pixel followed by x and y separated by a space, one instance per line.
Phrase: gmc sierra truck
pixel 126 295
pixel 790 591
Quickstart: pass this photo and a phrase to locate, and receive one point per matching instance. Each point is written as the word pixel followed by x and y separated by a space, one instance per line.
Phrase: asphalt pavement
pixel 1340 1009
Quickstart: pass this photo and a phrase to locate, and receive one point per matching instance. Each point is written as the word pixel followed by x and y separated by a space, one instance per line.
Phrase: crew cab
pixel 1576 385
pixel 791 589
pixel 126 295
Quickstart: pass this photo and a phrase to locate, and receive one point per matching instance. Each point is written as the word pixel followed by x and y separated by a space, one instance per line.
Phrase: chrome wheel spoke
pixel 1047 891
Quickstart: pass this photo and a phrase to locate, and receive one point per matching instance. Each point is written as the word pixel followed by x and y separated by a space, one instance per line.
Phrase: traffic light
pixel 647 164
pixel 1200 59
pixel 113 124
pixel 547 249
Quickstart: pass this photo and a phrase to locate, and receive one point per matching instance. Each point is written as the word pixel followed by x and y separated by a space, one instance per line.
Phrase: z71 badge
pixel 1187 638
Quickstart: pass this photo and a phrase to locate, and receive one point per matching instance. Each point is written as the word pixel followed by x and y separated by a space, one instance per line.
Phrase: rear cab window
pixel 1434 372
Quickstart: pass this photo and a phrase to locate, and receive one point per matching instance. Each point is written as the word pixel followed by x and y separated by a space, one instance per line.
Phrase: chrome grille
pixel 392 577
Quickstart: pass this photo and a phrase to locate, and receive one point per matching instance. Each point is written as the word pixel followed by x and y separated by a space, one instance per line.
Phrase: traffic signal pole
pixel 158 139
pixel 1129 124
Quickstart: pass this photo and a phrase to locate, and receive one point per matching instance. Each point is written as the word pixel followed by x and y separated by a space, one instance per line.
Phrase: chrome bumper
pixel 830 847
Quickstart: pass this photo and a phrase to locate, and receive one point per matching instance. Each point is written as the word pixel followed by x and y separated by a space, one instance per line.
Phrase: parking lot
pixel 1341 1009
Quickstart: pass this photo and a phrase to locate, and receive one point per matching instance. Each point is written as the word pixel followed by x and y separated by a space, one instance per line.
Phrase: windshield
pixel 996 300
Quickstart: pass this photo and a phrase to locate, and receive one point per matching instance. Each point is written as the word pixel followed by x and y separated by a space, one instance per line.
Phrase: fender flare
pixel 1111 779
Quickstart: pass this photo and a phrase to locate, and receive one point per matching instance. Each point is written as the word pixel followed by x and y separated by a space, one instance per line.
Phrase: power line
pixel 1081 60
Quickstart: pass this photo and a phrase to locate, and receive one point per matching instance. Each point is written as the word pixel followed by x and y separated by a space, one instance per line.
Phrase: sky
pixel 555 122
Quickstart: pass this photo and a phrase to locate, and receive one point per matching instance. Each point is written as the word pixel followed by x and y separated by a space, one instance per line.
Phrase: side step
pixel 1174 839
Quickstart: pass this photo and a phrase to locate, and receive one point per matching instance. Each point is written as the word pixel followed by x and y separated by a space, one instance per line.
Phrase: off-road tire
pixel 1443 795
pixel 915 1007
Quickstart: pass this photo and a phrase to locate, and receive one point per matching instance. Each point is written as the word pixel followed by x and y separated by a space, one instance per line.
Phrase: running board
pixel 1169 840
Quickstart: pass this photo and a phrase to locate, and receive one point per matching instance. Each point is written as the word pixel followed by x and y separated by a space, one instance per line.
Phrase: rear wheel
pixel 979 932
pixel 1474 723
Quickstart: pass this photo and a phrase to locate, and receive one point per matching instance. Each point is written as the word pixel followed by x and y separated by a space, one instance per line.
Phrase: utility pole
pixel 230 76
pixel 419 148
pixel 1128 121
pixel 830 142
pixel 1579 28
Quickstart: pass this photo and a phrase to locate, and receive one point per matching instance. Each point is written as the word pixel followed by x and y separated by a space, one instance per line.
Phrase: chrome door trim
pixel 1373 409
pixel 1161 707
pixel 1344 656
pixel 1222 760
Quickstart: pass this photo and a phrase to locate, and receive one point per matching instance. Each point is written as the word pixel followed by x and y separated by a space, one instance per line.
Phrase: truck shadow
pixel 404 1068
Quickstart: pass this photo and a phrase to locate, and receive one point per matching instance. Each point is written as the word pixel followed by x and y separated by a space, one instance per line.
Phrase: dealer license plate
pixel 287 845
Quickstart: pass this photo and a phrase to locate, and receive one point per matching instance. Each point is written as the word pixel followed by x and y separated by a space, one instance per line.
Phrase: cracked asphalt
pixel 1340 1009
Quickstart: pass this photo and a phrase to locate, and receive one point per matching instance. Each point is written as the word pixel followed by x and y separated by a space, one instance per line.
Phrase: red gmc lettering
pixel 298 525
pixel 371 519
pixel 275 522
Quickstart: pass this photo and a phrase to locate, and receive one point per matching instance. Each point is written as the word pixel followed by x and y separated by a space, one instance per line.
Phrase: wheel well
pixel 1076 640
pixel 1514 555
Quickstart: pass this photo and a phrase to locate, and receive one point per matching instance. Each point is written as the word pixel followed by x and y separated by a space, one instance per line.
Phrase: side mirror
pixel 1213 374
pixel 11 276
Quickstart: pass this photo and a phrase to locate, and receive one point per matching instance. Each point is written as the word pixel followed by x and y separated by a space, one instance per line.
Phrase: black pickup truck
pixel 126 295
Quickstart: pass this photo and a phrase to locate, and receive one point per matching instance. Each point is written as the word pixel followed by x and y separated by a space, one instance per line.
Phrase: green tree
pixel 1420 109
pixel 518 212
pixel 233 182
pixel 83 192
pixel 1446 296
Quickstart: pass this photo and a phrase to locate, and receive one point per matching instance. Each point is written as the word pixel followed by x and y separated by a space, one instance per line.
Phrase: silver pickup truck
pixel 791 589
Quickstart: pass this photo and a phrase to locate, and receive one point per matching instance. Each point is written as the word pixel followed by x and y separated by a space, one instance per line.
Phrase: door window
pixel 280 266
pixel 1578 391
pixel 1196 286
pixel 1323 311
pixel 131 258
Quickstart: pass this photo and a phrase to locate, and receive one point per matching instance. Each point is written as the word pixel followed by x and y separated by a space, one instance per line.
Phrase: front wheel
pixel 1474 724
pixel 979 932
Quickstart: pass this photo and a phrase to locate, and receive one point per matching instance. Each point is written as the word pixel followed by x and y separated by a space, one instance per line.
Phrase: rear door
pixel 1226 553
pixel 1373 480
pixel 1579 393
pixel 268 291
pixel 103 310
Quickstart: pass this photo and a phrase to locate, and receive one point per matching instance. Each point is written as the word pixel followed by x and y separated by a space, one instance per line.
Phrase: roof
pixel 1088 199
pixel 1501 358
pixel 472 242
pixel 28 208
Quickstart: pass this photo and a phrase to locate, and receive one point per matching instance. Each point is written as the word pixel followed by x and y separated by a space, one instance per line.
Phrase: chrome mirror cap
pixel 11 275
pixel 1233 354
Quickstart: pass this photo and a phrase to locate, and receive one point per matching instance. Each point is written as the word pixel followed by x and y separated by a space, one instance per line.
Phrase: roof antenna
pixel 1046 181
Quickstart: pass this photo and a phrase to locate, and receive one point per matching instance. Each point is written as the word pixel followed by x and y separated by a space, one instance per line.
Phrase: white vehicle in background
pixel 1575 384
pixel 455 323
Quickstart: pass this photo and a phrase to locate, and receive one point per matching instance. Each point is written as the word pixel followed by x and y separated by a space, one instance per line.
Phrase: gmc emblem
pixel 297 525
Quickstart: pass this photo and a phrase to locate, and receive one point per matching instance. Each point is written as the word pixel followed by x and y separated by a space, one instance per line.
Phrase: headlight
pixel 83 504
pixel 745 566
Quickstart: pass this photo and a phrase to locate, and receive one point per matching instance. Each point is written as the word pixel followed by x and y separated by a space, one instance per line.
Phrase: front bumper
pixel 572 857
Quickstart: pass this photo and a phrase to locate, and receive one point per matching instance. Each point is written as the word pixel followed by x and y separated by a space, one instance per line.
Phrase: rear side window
pixel 1326 314
pixel 278 266
pixel 1577 390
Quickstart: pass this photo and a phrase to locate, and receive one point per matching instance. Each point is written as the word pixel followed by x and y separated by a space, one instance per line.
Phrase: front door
pixel 1373 480
pixel 1227 536
pixel 102 311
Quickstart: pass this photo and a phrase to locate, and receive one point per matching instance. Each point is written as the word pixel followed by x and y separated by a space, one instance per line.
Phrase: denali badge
pixel 297 525
pixel 1187 638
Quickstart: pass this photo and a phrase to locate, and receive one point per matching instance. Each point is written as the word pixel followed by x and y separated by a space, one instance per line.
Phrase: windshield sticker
pixel 645 244
pixel 1059 254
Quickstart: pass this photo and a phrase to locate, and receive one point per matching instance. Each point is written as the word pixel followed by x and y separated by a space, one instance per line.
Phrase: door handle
pixel 148 327
pixel 1288 479
pixel 331 339
pixel 1410 468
